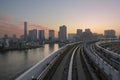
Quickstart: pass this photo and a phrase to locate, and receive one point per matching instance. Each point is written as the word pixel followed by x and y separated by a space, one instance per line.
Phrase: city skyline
pixel 35 34
pixel 50 14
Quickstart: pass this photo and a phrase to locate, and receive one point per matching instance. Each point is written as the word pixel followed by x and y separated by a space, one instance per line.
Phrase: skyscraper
pixel 79 32
pixel 51 35
pixel 88 30
pixel 79 35
pixel 6 36
pixel 41 35
pixel 71 36
pixel 25 31
pixel 109 34
pixel 33 35
pixel 14 37
pixel 87 35
pixel 62 33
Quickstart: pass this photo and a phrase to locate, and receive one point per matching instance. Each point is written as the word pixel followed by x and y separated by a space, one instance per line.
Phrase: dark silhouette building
pixel 25 31
pixel 41 36
pixel 109 34
pixel 62 33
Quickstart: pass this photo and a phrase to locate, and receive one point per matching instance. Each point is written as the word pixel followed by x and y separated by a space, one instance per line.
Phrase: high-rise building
pixel 62 33
pixel 33 35
pixel 87 35
pixel 25 31
pixel 22 37
pixel 41 35
pixel 109 34
pixel 79 35
pixel 6 36
pixel 79 32
pixel 71 36
pixel 88 30
pixel 14 37
pixel 51 35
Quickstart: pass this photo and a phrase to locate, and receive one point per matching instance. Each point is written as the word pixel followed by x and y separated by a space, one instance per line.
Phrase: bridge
pixel 79 61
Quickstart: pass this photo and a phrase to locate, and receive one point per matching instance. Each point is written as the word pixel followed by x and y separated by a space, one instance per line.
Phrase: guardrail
pixel 106 57
pixel 102 65
pixel 45 71
pixel 113 54
pixel 88 67
pixel 37 69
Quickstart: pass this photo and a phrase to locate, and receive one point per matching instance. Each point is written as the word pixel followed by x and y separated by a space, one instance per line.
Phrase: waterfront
pixel 13 63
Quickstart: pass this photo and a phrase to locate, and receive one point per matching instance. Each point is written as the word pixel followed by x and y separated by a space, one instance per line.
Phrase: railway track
pixel 69 66
pixel 114 47
pixel 109 59
pixel 59 70
pixel 79 67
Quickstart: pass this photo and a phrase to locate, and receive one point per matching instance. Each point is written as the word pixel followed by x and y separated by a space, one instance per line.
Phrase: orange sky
pixel 10 26
pixel 98 15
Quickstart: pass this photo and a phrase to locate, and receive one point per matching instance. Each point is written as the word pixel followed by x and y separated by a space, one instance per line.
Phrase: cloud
pixel 8 26
pixel 38 27
pixel 6 19
pixel 10 29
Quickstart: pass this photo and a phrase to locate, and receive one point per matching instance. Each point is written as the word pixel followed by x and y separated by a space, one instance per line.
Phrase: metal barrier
pixel 113 54
pixel 102 65
pixel 41 66
pixel 45 71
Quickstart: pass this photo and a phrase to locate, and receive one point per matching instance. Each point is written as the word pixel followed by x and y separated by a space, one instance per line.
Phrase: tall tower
pixel 51 35
pixel 25 31
pixel 79 32
pixel 41 35
pixel 63 33
pixel 79 35
pixel 33 35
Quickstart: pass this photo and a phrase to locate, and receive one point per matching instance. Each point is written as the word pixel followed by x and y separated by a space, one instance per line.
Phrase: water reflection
pixel 13 63
pixel 46 50
pixel 61 44
pixel 51 46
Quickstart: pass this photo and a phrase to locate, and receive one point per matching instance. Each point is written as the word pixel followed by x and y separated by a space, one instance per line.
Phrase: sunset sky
pixel 98 15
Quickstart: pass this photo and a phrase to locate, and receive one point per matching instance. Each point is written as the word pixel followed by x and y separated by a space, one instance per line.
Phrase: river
pixel 13 63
